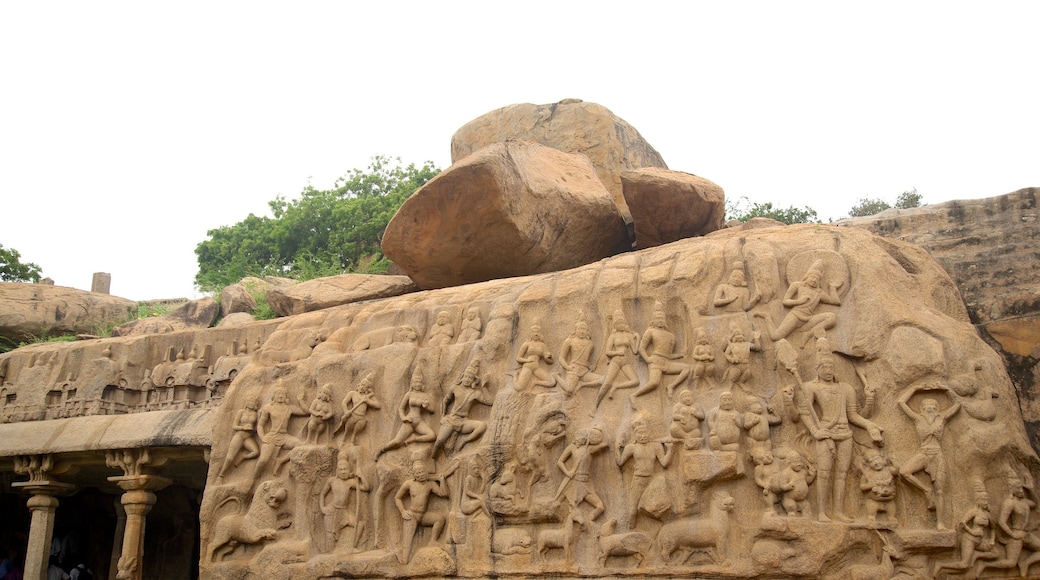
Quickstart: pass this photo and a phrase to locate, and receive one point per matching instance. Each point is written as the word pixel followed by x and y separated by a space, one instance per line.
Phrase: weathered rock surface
pixel 511 209
pixel 571 125
pixel 39 310
pixel 236 298
pixel 991 248
pixel 671 205
pixel 195 314
pixel 332 291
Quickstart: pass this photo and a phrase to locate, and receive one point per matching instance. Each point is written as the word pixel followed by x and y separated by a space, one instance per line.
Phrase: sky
pixel 129 129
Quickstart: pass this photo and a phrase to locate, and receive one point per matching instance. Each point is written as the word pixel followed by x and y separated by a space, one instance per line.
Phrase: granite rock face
pixel 671 205
pixel 194 314
pixel 572 125
pixel 728 406
pixel 511 209
pixel 38 310
pixel 991 248
pixel 332 291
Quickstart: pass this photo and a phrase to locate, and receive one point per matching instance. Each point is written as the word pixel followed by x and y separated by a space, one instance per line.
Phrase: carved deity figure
pixel 355 406
pixel 1014 522
pixel 803 297
pixel 415 403
pixel 577 481
pixel 621 348
pixel 576 359
pixel 530 357
pixel 830 426
pixel 273 428
pixel 658 350
pixel 243 437
pixel 338 511
pixel 793 483
pixel 417 491
pixel 471 325
pixel 725 425
pixel 704 357
pixel 766 472
pixel 321 412
pixel 756 421
pixel 469 390
pixel 644 453
pixel 442 331
pixel 738 355
pixel 929 424
pixel 878 484
pixel 734 296
pixel 686 418
pixel 976 534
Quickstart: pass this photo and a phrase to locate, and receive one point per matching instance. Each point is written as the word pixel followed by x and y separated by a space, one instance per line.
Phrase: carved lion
pixel 257 525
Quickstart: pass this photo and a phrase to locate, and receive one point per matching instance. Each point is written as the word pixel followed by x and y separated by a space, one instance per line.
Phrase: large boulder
pixel 236 298
pixel 671 205
pixel 38 310
pixel 511 209
pixel 321 293
pixel 571 125
pixel 195 314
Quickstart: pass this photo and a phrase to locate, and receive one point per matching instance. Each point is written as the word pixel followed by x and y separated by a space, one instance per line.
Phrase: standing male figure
pixel 929 424
pixel 658 350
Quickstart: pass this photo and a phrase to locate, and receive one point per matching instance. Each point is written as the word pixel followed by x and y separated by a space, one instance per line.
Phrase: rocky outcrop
pixel 510 209
pixel 574 126
pixel 30 311
pixel 991 248
pixel 671 205
pixel 330 291
pixel 236 298
pixel 195 314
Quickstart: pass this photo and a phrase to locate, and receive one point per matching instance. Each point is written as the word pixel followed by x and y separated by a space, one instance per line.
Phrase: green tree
pixel 323 233
pixel 13 270
pixel 742 211
pixel 870 206
pixel 908 199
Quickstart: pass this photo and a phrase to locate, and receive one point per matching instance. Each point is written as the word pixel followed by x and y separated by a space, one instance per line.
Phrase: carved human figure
pixel 321 413
pixel 929 424
pixel 738 355
pixel 1014 522
pixel 355 406
pixel 976 534
pixel 830 426
pixel 658 350
pixel 704 357
pixel 530 357
pixel 766 471
pixel 793 483
pixel 733 295
pixel 417 491
pixel 338 511
pixel 686 422
pixel 442 331
pixel 474 488
pixel 577 482
pixel 756 421
pixel 415 403
pixel 644 453
pixel 576 359
pixel 469 390
pixel 621 348
pixel 878 484
pixel 725 425
pixel 471 325
pixel 243 437
pixel 273 428
pixel 803 297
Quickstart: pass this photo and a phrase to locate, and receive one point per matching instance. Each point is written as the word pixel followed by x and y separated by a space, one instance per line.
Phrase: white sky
pixel 127 130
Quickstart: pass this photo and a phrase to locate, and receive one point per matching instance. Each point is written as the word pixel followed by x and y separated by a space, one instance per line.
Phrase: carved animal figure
pixel 510 541
pixel 563 537
pixel 628 544
pixel 693 534
pixel 303 350
pixel 881 571
pixel 257 525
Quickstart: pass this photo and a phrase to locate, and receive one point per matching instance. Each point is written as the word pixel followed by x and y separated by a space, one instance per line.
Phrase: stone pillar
pixel 117 540
pixel 138 499
pixel 42 506
pixel 102 283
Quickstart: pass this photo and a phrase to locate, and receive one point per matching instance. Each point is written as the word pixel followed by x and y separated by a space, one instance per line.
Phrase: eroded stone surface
pixel 194 314
pixel 38 310
pixel 511 209
pixel 671 205
pixel 577 429
pixel 332 291
pixel 574 126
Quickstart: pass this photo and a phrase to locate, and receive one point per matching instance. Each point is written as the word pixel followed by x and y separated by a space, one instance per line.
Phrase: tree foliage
pixel 323 233
pixel 743 210
pixel 870 206
pixel 12 269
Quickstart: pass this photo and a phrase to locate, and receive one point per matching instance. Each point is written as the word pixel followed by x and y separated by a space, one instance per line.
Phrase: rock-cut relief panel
pixel 794 413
